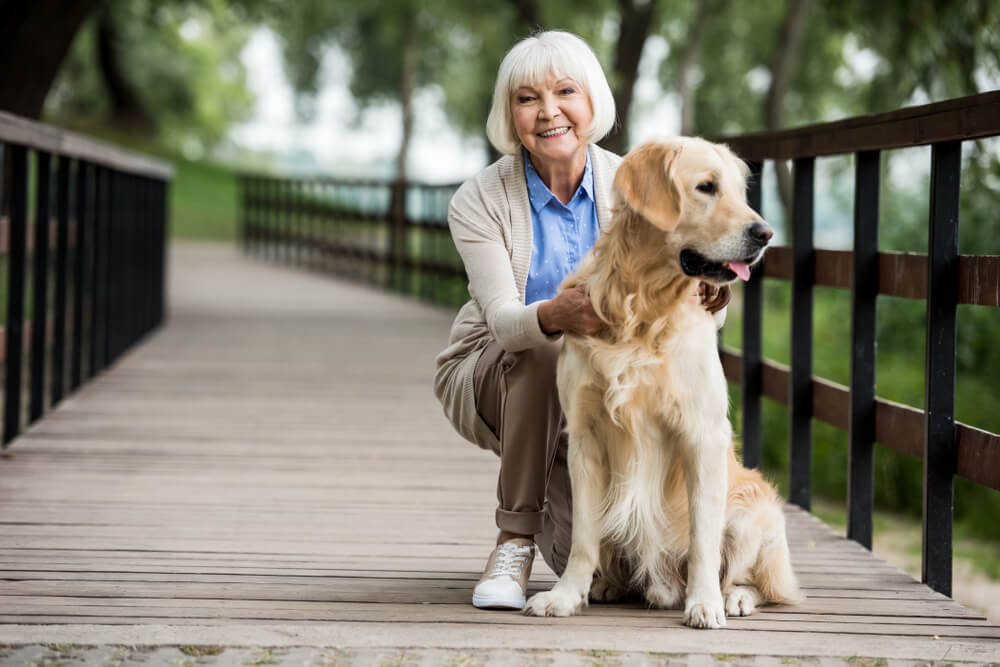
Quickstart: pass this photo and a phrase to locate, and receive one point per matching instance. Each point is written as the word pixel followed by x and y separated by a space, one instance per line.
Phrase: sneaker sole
pixel 487 602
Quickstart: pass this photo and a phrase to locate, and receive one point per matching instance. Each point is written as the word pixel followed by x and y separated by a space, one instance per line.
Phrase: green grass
pixel 203 201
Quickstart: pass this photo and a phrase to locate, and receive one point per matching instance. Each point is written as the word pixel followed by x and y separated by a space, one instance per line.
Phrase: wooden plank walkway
pixel 271 468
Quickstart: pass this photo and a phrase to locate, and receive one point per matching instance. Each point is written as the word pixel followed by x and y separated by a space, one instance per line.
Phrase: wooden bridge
pixel 262 462
pixel 271 468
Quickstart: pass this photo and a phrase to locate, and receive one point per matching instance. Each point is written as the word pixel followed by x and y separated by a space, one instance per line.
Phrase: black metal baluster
pixel 149 233
pixel 15 296
pixel 800 390
pixel 289 222
pixel 939 392
pixel 241 213
pixel 864 293
pixel 98 290
pixel 40 284
pixel 753 305
pixel 162 234
pixel 81 262
pixel 62 277
pixel 301 236
pixel 277 222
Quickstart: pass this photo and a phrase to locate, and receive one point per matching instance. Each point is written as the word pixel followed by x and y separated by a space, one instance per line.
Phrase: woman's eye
pixel 524 99
pixel 568 91
pixel 708 187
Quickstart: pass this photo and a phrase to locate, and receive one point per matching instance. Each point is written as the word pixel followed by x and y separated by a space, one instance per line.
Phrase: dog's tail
pixel 773 574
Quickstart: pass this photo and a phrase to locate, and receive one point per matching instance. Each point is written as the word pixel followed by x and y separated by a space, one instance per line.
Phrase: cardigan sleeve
pixel 475 221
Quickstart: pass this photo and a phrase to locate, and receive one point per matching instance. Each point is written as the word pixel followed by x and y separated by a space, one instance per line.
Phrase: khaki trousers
pixel 516 396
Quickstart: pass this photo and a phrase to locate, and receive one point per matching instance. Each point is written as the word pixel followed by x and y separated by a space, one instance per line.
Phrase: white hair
pixel 529 63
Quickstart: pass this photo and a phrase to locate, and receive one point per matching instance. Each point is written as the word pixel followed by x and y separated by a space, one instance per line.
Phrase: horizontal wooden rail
pixel 897 426
pixel 901 274
pixel 28 133
pixel 970 117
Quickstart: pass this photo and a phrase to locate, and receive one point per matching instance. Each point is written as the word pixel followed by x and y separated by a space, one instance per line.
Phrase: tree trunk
pixel 636 22
pixel 689 61
pixel 786 57
pixel 407 86
pixel 34 39
pixel 127 110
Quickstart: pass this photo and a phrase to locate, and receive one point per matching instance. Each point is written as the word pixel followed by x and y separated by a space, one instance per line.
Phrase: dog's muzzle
pixel 748 250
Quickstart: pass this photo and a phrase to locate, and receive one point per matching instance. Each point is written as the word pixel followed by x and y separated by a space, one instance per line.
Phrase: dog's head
pixel 695 192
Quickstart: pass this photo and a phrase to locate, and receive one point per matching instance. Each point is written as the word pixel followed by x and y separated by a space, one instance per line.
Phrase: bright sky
pixel 339 142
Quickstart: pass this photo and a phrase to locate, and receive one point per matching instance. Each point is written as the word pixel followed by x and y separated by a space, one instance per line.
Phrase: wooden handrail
pixel 38 136
pixel 971 117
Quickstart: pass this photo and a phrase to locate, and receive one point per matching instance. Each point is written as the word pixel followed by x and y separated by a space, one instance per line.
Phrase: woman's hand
pixel 572 312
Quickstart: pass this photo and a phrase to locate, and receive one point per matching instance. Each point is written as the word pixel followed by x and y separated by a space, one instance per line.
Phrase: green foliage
pixel 182 60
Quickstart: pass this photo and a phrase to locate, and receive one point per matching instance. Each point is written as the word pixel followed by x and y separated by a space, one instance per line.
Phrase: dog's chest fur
pixel 648 400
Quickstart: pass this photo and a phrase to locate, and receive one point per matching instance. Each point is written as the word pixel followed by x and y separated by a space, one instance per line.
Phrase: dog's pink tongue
pixel 741 269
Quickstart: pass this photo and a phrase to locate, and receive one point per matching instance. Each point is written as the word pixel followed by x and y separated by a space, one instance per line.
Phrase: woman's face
pixel 548 117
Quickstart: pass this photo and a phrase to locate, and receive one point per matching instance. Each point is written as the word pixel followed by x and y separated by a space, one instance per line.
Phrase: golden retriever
pixel 661 506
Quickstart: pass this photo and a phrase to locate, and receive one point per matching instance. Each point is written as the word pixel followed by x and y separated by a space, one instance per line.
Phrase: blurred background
pixel 400 89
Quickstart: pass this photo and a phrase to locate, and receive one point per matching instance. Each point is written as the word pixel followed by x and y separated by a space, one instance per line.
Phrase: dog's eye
pixel 708 187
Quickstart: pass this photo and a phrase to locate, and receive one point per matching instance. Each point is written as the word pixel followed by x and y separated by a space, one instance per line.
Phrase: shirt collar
pixel 539 193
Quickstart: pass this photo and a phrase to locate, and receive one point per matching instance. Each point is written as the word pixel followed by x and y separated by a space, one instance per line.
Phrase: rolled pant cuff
pixel 522 523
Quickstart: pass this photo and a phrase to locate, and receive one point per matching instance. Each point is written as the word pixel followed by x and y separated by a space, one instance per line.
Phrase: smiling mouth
pixel 697 265
pixel 559 131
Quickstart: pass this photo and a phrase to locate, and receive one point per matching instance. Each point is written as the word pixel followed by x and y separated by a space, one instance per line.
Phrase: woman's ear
pixel 646 184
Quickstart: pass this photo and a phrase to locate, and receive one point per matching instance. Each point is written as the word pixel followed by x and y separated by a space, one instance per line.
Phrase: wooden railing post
pixel 62 278
pixel 939 390
pixel 83 206
pixel 800 388
pixel 753 305
pixel 398 233
pixel 18 197
pixel 864 293
pixel 40 283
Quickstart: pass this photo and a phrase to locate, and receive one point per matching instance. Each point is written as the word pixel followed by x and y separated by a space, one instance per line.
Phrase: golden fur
pixel 646 405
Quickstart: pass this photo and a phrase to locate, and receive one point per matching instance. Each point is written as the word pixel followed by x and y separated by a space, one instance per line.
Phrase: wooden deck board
pixel 272 467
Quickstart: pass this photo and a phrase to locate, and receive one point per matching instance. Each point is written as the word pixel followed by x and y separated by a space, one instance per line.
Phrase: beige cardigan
pixel 490 222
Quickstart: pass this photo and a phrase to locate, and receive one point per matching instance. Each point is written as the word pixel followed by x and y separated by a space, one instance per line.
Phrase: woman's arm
pixel 476 229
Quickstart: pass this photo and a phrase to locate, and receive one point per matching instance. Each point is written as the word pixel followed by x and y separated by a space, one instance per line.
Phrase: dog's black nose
pixel 760 232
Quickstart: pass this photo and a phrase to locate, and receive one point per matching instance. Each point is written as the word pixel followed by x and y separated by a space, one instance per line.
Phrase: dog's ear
pixel 646 184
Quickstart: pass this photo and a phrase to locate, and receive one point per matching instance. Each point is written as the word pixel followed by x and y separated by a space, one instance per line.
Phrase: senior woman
pixel 521 226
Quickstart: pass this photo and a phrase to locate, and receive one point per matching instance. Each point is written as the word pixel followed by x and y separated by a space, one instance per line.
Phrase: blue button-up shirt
pixel 562 234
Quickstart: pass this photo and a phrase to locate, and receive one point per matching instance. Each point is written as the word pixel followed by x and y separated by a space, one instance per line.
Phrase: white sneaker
pixel 505 581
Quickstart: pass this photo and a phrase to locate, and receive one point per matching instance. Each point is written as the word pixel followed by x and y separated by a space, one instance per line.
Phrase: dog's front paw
pixel 554 603
pixel 705 614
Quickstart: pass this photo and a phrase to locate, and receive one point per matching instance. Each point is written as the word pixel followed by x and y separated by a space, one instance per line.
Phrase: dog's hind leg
pixel 611 581
pixel 741 600
pixel 589 479
pixel 773 573
pixel 604 589
pixel 667 594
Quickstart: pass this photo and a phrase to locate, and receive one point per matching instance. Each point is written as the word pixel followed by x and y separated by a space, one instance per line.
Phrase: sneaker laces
pixel 510 561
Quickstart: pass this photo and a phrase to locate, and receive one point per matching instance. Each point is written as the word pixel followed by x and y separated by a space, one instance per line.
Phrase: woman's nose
pixel 548 107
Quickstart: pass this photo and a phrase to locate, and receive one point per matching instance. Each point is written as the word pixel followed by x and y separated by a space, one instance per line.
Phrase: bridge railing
pixel 87 222
pixel 941 276
pixel 355 229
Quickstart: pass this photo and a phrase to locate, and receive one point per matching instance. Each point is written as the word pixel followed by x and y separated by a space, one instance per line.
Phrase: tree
pixel 28 71
pixel 636 19
pixel 170 71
